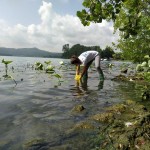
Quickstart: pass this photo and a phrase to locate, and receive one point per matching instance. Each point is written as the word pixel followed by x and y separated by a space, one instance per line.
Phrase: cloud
pixel 54 31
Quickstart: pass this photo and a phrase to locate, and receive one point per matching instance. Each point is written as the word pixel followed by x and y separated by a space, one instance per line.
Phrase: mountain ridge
pixel 28 52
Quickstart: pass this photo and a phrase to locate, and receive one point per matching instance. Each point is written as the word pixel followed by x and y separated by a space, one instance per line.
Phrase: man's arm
pixel 77 69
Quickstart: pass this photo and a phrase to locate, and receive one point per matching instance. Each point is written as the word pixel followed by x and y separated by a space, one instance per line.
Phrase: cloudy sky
pixel 48 25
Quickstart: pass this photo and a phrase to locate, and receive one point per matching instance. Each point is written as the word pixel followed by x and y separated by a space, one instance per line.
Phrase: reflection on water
pixel 36 114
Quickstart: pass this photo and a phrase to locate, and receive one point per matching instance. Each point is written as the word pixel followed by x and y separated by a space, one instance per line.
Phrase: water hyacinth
pixel 38 66
pixel 61 63
pixel 6 62
pixel 6 76
pixel 47 62
pixel 6 65
pixel 50 69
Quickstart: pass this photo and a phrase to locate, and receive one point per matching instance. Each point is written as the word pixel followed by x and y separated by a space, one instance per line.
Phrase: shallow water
pixel 39 108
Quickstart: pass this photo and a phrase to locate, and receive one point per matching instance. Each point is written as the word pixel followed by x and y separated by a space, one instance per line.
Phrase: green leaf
pixel 79 14
pixel 83 11
pixel 50 71
pixel 57 75
pixel 110 7
pixel 38 66
pixel 6 62
pixel 117 1
pixel 98 8
pixel 86 4
pixel 47 62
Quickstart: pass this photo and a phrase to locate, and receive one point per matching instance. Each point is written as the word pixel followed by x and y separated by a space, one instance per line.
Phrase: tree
pixel 65 48
pixel 77 49
pixel 130 18
pixel 107 52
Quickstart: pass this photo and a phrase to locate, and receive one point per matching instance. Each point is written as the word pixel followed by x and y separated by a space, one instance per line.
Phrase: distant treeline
pixel 77 49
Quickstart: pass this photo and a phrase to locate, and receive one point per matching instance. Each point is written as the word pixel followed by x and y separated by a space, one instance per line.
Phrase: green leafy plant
pixel 144 68
pixel 145 65
pixel 6 76
pixel 130 18
pixel 6 66
pixel 38 66
pixel 49 69
pixel 47 62
pixel 57 76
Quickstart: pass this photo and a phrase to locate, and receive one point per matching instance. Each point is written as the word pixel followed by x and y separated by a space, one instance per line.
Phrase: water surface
pixel 39 108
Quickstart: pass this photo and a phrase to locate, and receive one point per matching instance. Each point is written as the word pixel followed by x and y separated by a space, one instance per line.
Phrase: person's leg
pixel 98 68
pixel 85 77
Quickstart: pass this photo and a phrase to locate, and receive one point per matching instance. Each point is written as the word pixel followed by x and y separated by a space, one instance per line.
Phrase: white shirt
pixel 87 56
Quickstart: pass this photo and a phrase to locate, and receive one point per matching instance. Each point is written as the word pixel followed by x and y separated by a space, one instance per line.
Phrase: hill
pixel 28 52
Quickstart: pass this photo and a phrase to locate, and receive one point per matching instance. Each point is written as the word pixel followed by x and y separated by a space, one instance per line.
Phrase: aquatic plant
pixel 57 76
pixel 38 66
pixel 47 62
pixel 6 66
pixel 50 69
pixel 6 76
pixel 61 63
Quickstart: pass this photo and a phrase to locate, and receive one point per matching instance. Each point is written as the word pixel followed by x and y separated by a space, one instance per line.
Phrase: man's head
pixel 75 60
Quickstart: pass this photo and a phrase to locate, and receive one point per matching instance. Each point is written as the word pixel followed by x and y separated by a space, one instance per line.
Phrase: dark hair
pixel 74 59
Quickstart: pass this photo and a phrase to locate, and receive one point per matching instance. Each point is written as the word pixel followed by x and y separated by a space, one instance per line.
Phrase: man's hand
pixel 77 77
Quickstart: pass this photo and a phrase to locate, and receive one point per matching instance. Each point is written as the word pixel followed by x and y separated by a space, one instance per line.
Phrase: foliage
pixel 46 67
pixel 78 49
pixel 65 48
pixel 130 18
pixel 117 56
pixel 38 66
pixel 49 68
pixel 144 68
pixel 47 62
pixel 107 52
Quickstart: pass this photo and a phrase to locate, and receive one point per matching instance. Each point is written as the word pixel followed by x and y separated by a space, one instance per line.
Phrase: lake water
pixel 37 113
